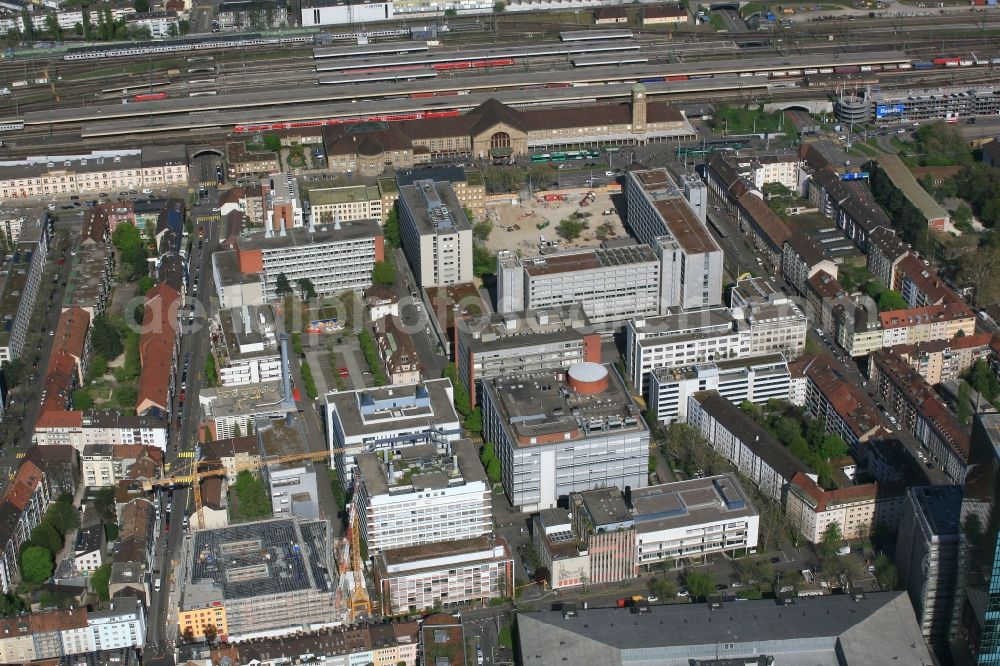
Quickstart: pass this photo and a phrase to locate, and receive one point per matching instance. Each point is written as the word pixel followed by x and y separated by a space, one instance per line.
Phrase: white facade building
pixel 777 324
pixel 247 349
pixel 560 432
pixel 436 235
pixel 123 625
pixel 388 418
pixel 424 494
pixel 756 379
pixel 614 282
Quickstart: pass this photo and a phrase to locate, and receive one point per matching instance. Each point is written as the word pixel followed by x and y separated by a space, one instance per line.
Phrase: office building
pixel 467 184
pixel 264 577
pixel 229 411
pixel 681 338
pixel 921 411
pixel 98 171
pixel 443 574
pixel 334 258
pixel 873 628
pixel 980 619
pixel 613 282
pixel 492 345
pixel 659 216
pixel 246 351
pixel 354 202
pixel 856 509
pixel 22 278
pixel 740 440
pixel 388 418
pixel 560 432
pixel 930 556
pixel 436 235
pixel 423 494
pixel 776 323
pixel 756 379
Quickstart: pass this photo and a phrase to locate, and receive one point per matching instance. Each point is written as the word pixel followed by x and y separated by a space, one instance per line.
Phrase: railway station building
pixel 495 130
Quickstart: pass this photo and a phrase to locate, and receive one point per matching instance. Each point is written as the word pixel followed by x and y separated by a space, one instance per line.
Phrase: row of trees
pixel 908 220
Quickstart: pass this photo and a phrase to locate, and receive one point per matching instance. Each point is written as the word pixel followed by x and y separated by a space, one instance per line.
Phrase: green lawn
pixel 716 21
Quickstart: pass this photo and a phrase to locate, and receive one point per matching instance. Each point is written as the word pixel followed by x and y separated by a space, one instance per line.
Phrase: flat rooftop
pixel 769 364
pixel 685 227
pixel 248 328
pixel 265 558
pixel 691 502
pixel 606 506
pixel 421 467
pixel 434 207
pixel 328 196
pixel 942 508
pixel 681 325
pixel 277 438
pixel 333 232
pixel 586 260
pixel 374 410
pixel 427 551
pixel 511 330
pixel 543 407
pixel 261 398
pixel 443 299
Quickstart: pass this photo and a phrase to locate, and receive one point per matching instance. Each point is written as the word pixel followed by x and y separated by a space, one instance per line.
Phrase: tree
pixel 98 367
pixel 99 581
pixel 11 604
pixel 82 400
pixel 890 299
pixel 306 287
pixel 36 564
pixel 104 502
pixel 886 573
pixel 542 174
pixel 281 285
pixel 390 230
pixel 503 179
pixel 481 231
pixel 272 142
pixel 211 374
pixel 253 501
pixel 384 273
pixel 663 588
pixel 46 536
pixel 499 8
pixel 210 632
pixel 699 584
pixel 569 229
pixel 831 541
pixel 962 217
pixel 105 338
pixel 963 410
pixel 141 6
pixel 29 27
pixel 484 262
pixel 52 26
pixel 605 231
pixel 63 516
pixel 128 240
pixel 188 633
pixel 980 269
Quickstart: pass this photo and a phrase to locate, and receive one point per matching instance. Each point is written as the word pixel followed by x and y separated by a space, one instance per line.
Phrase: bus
pixel 544 157
pixel 558 157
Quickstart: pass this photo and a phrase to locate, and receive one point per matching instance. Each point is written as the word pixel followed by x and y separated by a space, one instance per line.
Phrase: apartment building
pixel 886 252
pixel 921 411
pixel 737 438
pixel 80 429
pixel 354 202
pixel 375 420
pixel 614 282
pixel 263 602
pixel 922 324
pixel 22 278
pixel 559 432
pixel 436 235
pixel 60 634
pixel 232 453
pixel 931 559
pixel 755 379
pixel 384 643
pixel 680 338
pixel 659 216
pixel 920 284
pixel 942 361
pixel 252 14
pixel 159 346
pixel 89 549
pixel 90 280
pixel 849 204
pixel 247 349
pixel 104 465
pixel 776 323
pixel 843 405
pixel 334 258
pixel 443 574
pixel 491 345
pixel 397 352
pixel 423 494
pixel 801 259
pixel 98 171
pixel 241 163
pixel 856 509
pixel 21 510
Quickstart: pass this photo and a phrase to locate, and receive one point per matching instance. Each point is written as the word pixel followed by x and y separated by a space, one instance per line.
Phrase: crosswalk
pixel 208 218
pixel 20 455
pixel 186 454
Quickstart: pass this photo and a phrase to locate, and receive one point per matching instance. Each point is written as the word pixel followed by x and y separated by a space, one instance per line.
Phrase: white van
pixel 156 585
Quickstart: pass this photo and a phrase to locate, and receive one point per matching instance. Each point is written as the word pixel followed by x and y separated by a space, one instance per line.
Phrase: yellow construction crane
pixel 361 604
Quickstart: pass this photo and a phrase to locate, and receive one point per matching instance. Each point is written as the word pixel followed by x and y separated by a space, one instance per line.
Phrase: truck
pixel 542 225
